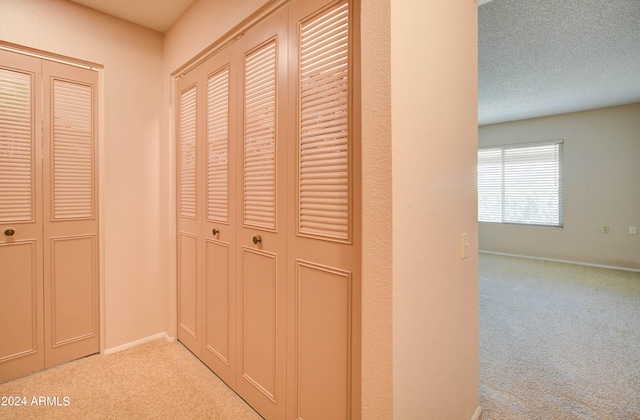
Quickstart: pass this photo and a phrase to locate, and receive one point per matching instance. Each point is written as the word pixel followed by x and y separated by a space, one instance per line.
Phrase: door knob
pixel 257 240
pixel 215 232
pixel 9 232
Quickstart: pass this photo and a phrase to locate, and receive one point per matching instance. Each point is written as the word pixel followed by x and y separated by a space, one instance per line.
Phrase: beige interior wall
pixel 435 292
pixel 132 84
pixel 601 184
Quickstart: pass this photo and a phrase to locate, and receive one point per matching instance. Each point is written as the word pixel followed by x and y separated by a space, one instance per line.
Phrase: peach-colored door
pixel 262 176
pixel 21 299
pixel 323 248
pixel 49 294
pixel 219 219
pixel 70 199
pixel 189 202
pixel 206 133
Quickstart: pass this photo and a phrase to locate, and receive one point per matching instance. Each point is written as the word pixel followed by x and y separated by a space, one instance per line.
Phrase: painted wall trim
pixel 476 415
pixel 611 267
pixel 45 55
pixel 135 343
pixel 231 36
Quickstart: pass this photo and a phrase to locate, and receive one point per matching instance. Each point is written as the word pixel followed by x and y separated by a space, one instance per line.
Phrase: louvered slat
pixel 324 176
pixel 72 151
pixel 218 146
pixel 259 137
pixel 187 130
pixel 16 147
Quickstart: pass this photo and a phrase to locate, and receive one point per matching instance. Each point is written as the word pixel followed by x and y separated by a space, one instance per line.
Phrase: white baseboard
pixel 611 267
pixel 476 415
pixel 154 337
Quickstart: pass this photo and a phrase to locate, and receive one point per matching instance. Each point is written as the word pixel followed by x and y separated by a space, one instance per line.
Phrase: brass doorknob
pixel 9 232
pixel 215 231
pixel 257 240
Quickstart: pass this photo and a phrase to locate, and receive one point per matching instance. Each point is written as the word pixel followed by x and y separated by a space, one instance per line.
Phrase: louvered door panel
pixel 324 154
pixel 16 146
pixel 21 259
pixel 73 164
pixel 219 227
pixel 189 210
pixel 261 262
pixel 260 137
pixel 187 154
pixel 323 250
pixel 218 146
pixel 71 254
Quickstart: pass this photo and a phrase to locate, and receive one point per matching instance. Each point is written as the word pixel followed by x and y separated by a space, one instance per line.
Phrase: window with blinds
pixel 521 184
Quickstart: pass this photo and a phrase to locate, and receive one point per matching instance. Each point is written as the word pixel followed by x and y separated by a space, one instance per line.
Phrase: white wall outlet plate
pixel 633 230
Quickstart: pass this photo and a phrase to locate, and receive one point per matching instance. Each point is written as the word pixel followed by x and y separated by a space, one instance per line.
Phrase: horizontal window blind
pixel 521 184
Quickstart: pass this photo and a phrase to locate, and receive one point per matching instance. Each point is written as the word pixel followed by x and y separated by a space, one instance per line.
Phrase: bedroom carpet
pixel 558 341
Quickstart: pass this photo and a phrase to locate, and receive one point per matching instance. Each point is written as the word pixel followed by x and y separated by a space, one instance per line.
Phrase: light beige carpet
pixel 157 380
pixel 558 341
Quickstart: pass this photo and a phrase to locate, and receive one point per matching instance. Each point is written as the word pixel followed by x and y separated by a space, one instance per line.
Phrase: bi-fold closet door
pixel 49 284
pixel 267 203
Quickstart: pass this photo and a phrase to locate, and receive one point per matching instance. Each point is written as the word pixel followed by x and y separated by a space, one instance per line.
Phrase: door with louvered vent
pixel 219 220
pixel 323 249
pixel 262 152
pixel 71 275
pixel 21 299
pixel 189 199
pixel 268 205
pixel 49 288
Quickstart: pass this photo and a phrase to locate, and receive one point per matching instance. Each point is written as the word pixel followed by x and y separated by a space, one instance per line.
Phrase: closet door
pixel 323 241
pixel 219 220
pixel 71 280
pixel 49 288
pixel 189 204
pixel 21 298
pixel 262 217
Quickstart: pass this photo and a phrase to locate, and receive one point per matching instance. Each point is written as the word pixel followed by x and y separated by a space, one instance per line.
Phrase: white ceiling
pixel 154 14
pixel 546 57
pixel 535 57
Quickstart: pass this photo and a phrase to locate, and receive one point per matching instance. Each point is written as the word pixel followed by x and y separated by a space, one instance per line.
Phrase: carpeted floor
pixel 558 341
pixel 157 380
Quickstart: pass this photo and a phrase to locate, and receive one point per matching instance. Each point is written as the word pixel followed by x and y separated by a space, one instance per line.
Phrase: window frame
pixel 556 171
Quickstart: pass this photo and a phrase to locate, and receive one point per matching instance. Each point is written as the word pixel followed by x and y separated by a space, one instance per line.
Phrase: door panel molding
pixel 74 311
pixel 323 347
pixel 20 284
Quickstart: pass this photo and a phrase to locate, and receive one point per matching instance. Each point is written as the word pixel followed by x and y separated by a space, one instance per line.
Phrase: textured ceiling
pixel 545 57
pixel 153 14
